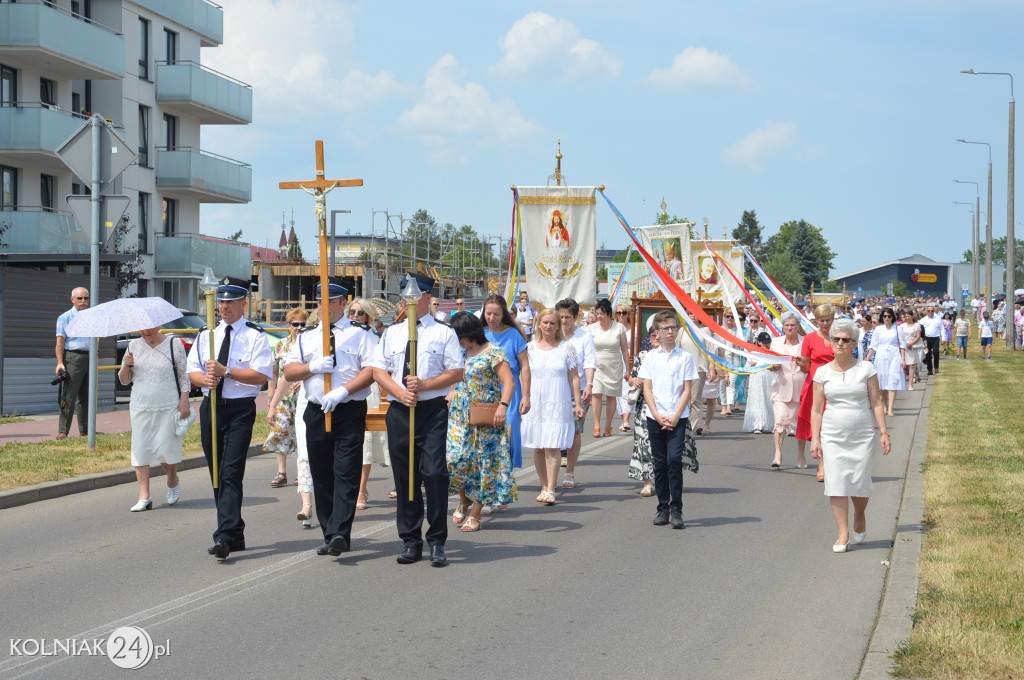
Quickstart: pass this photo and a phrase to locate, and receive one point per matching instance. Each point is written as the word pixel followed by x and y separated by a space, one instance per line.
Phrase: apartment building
pixel 138 64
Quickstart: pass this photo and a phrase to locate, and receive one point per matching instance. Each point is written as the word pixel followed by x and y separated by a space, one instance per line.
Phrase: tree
pixel 899 289
pixel 812 253
pixel 602 274
pixel 780 267
pixel 662 218
pixel 634 256
pixel 236 236
pixel 295 251
pixel 999 258
pixel 127 273
pixel 748 232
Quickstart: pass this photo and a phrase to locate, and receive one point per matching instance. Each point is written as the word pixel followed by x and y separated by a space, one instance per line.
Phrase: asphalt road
pixel 585 589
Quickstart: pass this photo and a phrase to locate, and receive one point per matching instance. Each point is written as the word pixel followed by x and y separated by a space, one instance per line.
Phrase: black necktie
pixel 222 358
pixel 406 370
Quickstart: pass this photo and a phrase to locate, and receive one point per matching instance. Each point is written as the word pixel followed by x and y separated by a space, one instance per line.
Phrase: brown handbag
pixel 481 414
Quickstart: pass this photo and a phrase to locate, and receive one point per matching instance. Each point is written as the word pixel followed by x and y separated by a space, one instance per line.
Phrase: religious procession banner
pixel 558 231
pixel 637 279
pixel 710 276
pixel 669 244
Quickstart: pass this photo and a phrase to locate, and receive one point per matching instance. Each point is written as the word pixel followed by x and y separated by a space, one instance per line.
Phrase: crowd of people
pixel 485 386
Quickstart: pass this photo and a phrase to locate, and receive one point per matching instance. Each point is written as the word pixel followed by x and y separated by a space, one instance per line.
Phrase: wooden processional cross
pixel 319 188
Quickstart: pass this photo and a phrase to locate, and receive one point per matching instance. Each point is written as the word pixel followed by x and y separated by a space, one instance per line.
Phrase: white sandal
pixel 568 483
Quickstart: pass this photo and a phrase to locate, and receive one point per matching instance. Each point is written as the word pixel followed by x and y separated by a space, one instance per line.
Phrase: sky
pixel 842 114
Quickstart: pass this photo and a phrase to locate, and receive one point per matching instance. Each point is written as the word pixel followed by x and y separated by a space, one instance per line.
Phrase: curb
pixel 899 595
pixel 12 498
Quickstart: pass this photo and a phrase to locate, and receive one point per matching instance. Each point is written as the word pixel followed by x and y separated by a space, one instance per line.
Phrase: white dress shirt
pixel 932 325
pixel 668 373
pixel 353 351
pixel 437 351
pixel 583 342
pixel 249 349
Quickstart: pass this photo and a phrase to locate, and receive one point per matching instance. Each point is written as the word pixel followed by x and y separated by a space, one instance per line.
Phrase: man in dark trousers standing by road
pixel 244 362
pixel 931 324
pixel 335 457
pixel 439 365
pixel 73 357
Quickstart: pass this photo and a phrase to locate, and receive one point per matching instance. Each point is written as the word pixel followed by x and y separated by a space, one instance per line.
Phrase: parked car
pixel 189 320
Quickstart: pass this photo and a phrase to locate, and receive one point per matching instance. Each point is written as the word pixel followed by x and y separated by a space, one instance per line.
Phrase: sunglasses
pixel 298 324
pixel 841 341
pixel 356 312
pixel 621 313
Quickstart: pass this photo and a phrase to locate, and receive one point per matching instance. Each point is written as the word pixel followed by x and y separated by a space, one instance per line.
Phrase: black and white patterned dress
pixel 641 465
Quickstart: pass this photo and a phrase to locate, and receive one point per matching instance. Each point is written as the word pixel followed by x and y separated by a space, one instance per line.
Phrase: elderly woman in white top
pixel 155 365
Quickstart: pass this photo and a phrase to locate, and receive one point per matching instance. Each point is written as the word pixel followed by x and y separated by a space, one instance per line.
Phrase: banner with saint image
pixel 558 228
pixel 669 244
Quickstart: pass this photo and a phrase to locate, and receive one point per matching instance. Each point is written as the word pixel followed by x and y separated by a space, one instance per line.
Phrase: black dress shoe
pixel 437 558
pixel 338 545
pixel 323 549
pixel 220 550
pixel 677 519
pixel 409 555
pixel 661 519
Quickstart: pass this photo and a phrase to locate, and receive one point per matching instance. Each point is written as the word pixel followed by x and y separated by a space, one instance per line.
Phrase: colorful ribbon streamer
pixel 778 293
pixel 617 290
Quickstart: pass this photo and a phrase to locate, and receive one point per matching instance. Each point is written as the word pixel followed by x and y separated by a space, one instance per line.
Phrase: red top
pixel 820 353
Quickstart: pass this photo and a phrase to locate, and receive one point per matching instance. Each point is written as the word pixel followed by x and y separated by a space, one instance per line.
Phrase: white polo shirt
pixel 437 351
pixel 353 351
pixel 932 326
pixel 583 342
pixel 668 373
pixel 249 349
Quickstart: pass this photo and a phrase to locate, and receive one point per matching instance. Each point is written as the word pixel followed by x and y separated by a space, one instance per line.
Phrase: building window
pixel 171 292
pixel 171 45
pixel 144 136
pixel 143 222
pixel 47 91
pixel 170 131
pixel 48 192
pixel 8 188
pixel 143 48
pixel 8 86
pixel 141 288
pixel 170 217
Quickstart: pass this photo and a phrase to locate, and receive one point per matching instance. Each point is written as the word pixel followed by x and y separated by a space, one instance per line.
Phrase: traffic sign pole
pixel 94 279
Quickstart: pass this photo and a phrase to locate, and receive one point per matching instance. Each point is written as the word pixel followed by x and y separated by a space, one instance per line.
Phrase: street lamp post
pixel 975 270
pixel 1011 262
pixel 988 222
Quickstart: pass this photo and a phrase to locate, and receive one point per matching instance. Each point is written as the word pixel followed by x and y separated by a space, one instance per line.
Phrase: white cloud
pixel 765 140
pixel 449 109
pixel 273 47
pixel 538 39
pixel 699 66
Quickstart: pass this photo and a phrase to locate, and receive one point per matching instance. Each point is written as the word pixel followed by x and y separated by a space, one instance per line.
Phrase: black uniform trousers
pixel 431 470
pixel 235 418
pixel 336 463
pixel 931 357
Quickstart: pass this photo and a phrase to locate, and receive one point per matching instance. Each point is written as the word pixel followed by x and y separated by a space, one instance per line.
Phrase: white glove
pixel 322 364
pixel 333 398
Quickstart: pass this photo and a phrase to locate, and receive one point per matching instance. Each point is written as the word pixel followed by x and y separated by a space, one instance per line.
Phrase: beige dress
pixel 610 369
pixel 789 380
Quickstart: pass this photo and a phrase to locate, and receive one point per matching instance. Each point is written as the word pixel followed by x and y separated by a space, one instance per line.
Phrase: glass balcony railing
pixel 67 43
pixel 35 128
pixel 192 173
pixel 203 17
pixel 194 89
pixel 35 231
pixel 190 254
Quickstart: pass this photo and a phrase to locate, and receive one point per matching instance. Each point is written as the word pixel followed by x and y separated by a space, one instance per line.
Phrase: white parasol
pixel 124 315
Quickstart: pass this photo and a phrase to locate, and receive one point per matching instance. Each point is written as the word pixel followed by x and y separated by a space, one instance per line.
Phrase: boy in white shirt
pixel 668 374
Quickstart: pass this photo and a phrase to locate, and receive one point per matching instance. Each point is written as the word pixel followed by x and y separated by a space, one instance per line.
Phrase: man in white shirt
pixel 439 365
pixel 335 457
pixel 244 362
pixel 668 374
pixel 932 325
pixel 525 315
pixel 583 342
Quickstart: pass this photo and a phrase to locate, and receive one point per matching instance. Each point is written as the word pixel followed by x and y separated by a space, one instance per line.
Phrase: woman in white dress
pixel 549 425
pixel 623 404
pixel 887 351
pixel 758 416
pixel 375 444
pixel 843 435
pixel 155 365
pixel 612 357
pixel 913 335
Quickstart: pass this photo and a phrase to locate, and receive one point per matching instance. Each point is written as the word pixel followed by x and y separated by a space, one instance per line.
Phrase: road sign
pixel 965 291
pixel 115 154
pixel 112 209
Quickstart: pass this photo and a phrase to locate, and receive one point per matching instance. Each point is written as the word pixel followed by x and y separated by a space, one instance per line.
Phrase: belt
pixel 423 402
pixel 77 351
pixel 237 399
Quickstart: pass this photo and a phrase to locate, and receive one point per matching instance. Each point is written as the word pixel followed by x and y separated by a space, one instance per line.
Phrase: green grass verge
pixel 22 464
pixel 969 621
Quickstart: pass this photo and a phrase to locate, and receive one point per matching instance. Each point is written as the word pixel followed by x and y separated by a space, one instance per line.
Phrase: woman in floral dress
pixel 478 456
pixel 641 464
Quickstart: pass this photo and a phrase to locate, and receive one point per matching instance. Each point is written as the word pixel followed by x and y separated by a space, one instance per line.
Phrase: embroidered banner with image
pixel 558 231
pixel 669 244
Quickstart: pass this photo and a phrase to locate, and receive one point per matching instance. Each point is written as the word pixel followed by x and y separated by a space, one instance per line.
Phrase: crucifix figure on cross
pixel 318 189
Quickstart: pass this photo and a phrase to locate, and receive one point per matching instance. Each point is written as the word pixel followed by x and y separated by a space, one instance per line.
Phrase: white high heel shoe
pixel 859 538
pixel 173 494
pixel 841 548
pixel 141 505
